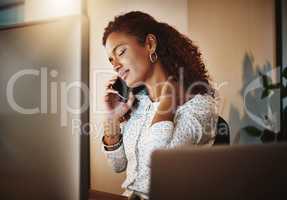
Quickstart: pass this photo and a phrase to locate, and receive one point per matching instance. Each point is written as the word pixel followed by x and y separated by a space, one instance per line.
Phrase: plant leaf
pixel 284 92
pixel 275 86
pixel 268 136
pixel 252 131
pixel 266 81
pixel 284 73
pixel 265 93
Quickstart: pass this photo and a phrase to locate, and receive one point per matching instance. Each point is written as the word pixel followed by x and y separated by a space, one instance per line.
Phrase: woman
pixel 178 106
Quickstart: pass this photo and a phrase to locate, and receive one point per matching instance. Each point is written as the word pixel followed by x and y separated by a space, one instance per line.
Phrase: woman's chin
pixel 133 83
pixel 130 83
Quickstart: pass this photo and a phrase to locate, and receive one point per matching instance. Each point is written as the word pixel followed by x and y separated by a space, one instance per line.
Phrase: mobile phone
pixel 121 86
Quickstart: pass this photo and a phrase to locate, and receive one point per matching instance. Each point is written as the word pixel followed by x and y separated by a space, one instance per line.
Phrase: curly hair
pixel 175 51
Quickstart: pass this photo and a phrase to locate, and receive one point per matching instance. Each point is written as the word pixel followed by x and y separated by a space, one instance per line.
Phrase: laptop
pixel 246 172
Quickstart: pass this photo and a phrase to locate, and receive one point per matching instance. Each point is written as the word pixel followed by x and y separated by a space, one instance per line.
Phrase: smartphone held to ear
pixel 121 86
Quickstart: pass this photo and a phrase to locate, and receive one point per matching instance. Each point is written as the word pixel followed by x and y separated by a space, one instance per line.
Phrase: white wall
pixel 101 12
pixel 36 10
pixel 46 9
pixel 236 39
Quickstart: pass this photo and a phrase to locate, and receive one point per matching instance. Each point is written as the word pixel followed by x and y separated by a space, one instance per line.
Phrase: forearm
pixel 111 131
pixel 111 140
pixel 113 145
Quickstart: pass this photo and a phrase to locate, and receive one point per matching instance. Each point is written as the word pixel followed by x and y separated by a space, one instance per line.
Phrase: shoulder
pixel 199 106
pixel 196 119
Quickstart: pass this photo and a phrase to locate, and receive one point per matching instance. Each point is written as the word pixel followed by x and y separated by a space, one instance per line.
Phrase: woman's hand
pixel 167 103
pixel 116 108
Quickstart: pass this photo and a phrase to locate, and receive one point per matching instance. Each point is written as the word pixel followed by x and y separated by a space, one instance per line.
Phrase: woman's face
pixel 129 58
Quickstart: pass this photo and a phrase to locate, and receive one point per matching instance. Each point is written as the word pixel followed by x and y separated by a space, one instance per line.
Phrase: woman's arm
pixel 162 125
pixel 167 104
pixel 196 124
pixel 112 131
pixel 165 110
pixel 193 125
pixel 112 145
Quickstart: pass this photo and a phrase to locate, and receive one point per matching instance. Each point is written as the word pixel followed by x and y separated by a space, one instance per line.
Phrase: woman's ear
pixel 151 43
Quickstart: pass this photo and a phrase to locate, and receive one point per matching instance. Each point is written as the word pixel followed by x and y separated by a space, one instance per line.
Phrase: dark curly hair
pixel 175 51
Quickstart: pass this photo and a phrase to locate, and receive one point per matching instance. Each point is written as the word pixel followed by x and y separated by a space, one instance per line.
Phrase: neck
pixel 155 82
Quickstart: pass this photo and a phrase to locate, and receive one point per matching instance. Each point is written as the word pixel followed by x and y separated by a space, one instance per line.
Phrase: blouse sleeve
pixel 194 125
pixel 116 158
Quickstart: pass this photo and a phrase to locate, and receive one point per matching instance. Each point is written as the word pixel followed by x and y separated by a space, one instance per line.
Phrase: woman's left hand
pixel 167 103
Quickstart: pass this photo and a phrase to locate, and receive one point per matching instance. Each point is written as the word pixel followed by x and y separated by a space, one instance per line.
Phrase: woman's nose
pixel 117 66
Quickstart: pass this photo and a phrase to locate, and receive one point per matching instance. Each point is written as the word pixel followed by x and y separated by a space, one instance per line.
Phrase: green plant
pixel 267 134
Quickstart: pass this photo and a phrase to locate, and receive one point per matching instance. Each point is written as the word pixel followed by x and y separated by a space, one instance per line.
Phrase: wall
pixel 35 10
pixel 39 10
pixel 102 11
pixel 236 38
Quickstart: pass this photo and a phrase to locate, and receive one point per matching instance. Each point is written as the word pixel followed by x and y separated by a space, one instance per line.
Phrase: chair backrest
pixel 222 132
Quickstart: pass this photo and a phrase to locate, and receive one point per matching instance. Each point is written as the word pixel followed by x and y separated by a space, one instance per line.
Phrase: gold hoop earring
pixel 153 57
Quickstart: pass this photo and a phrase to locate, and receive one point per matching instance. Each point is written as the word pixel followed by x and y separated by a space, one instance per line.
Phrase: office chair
pixel 222 133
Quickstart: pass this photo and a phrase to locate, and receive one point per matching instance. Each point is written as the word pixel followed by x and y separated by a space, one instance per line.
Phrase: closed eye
pixel 122 52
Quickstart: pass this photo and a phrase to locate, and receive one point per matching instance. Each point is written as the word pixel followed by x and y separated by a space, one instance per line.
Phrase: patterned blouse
pixel 194 123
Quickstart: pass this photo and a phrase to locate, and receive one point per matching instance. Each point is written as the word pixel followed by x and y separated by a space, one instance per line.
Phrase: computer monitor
pixel 41 155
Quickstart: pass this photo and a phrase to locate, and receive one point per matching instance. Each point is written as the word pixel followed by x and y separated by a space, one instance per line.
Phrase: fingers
pixel 111 82
pixel 110 90
pixel 130 100
pixel 124 107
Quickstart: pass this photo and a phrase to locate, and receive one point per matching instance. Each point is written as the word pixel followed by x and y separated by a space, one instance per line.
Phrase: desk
pixel 99 195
